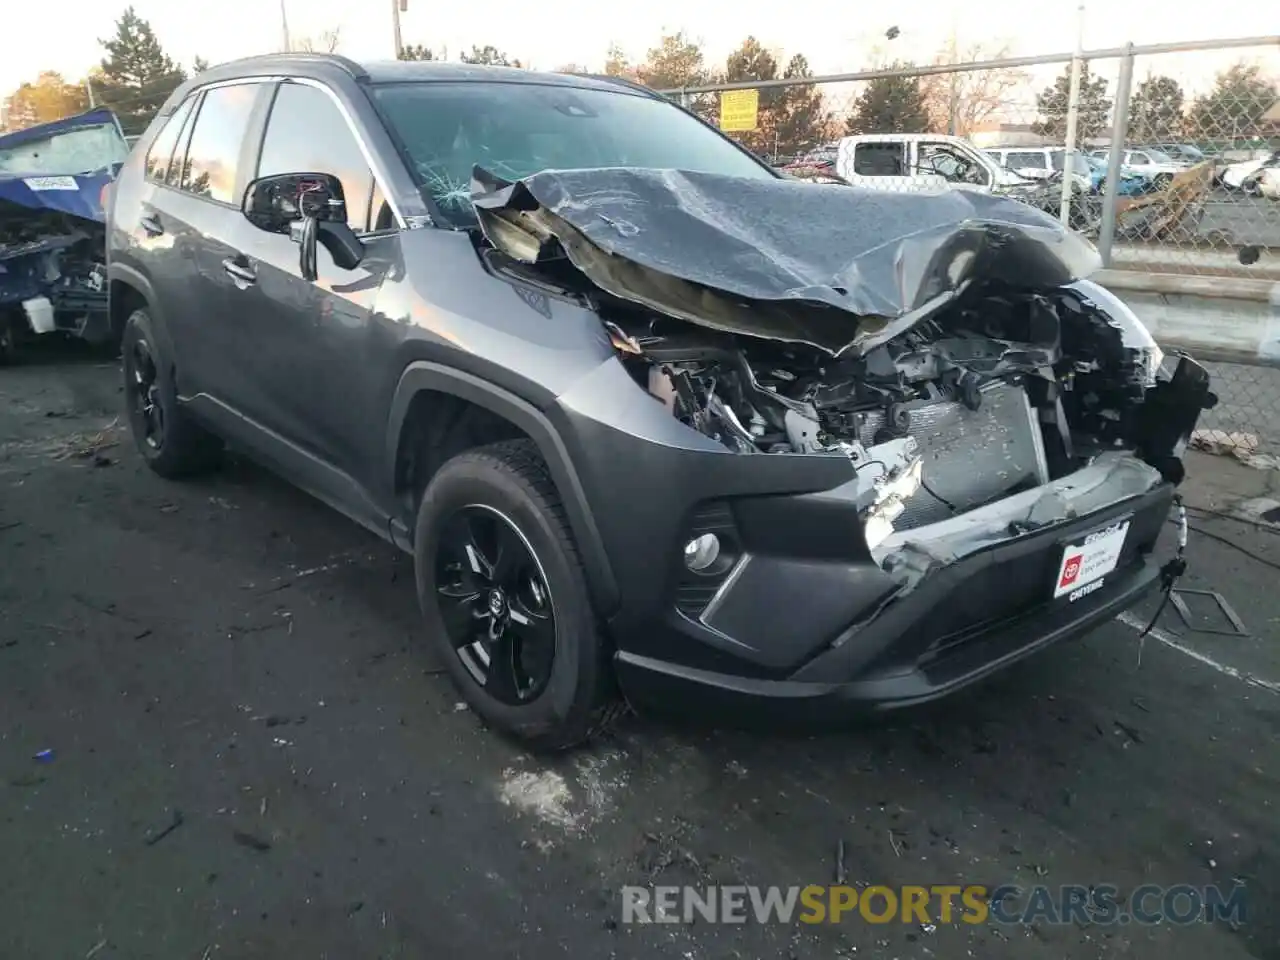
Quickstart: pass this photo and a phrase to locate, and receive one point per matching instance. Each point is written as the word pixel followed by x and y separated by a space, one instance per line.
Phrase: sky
pixel 555 32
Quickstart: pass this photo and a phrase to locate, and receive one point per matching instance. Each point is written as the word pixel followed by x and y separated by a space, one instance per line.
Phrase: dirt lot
pixel 230 660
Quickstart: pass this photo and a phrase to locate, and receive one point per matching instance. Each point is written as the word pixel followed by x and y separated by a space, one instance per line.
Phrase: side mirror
pixel 273 203
pixel 310 209
pixel 335 236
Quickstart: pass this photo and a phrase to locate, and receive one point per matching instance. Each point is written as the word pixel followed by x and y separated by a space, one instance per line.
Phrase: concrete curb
pixel 1225 318
pixel 1226 288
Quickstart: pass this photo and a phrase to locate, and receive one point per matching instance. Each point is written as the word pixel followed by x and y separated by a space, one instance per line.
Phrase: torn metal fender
pixel 838 268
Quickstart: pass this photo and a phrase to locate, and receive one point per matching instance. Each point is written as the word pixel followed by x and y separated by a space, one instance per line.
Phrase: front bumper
pixel 913 665
pixel 806 616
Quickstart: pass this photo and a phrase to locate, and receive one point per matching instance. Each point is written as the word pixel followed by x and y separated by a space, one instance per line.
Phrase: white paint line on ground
pixel 1169 640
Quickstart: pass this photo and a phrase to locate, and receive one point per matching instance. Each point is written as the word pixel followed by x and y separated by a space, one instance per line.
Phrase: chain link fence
pixel 1174 172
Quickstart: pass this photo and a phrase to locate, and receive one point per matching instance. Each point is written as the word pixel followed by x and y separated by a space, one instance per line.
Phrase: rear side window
pixel 880 159
pixel 214 152
pixel 179 161
pixel 161 152
pixel 307 133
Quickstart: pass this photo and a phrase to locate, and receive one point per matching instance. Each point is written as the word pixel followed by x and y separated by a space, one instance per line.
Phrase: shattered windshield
pixel 83 150
pixel 518 129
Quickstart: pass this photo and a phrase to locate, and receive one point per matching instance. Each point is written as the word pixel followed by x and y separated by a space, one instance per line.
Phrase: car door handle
pixel 239 271
pixel 151 225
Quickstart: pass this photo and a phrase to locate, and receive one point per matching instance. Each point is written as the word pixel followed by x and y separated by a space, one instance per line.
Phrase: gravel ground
pixel 254 756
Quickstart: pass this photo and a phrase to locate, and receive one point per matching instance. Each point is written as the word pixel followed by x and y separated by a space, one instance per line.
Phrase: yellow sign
pixel 739 109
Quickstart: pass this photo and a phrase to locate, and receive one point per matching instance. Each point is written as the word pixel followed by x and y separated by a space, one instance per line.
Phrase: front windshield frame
pixel 457 219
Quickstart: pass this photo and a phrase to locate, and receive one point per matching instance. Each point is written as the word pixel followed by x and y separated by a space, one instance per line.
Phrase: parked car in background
pixel 52 238
pixel 817 164
pixel 1268 182
pixel 915 162
pixel 504 320
pixel 1131 184
pixel 921 162
pixel 1244 175
pixel 1183 152
pixel 1154 164
pixel 823 156
pixel 1042 163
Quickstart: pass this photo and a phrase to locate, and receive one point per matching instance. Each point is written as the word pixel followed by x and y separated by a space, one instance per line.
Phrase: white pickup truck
pixel 929 162
pixel 923 162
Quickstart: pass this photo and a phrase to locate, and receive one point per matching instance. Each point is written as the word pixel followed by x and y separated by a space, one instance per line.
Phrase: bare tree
pixel 974 96
pixel 327 42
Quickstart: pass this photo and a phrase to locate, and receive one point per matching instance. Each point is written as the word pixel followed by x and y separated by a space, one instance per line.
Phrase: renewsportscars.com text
pixel 1178 905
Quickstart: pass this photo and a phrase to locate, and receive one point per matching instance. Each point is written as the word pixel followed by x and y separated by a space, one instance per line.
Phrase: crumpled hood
pixel 77 196
pixel 839 268
pixel 91 141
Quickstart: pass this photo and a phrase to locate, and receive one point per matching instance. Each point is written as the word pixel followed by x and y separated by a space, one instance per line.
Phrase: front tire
pixel 505 602
pixel 170 442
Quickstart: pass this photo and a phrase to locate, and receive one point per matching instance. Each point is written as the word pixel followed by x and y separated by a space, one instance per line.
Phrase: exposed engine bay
pixel 944 343
pixel 54 255
pixel 997 394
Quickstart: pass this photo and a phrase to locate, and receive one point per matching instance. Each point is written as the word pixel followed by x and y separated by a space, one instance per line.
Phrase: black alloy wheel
pixel 172 445
pixel 144 396
pixel 496 605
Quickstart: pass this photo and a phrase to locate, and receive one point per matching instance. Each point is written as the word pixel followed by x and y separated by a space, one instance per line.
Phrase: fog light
pixel 701 552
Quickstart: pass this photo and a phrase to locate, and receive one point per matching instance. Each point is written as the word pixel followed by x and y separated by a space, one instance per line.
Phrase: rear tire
pixel 170 442
pixel 500 583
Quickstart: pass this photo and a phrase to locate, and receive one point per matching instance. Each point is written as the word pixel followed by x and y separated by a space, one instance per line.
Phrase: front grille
pixel 692 598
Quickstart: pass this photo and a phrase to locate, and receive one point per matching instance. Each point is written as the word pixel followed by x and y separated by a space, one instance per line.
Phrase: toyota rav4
pixel 657 424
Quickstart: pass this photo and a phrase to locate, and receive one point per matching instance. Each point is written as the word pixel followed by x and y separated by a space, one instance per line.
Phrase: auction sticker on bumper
pixel 1085 564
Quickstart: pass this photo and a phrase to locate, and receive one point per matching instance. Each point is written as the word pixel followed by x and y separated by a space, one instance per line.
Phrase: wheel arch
pixel 127 290
pixel 426 376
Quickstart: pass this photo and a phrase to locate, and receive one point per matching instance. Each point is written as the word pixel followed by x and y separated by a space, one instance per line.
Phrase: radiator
pixel 971 457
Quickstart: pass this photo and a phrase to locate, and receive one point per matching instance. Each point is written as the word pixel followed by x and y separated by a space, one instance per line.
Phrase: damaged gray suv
pixel 657 424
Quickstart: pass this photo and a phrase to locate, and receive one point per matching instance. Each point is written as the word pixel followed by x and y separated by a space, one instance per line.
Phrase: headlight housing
pixel 1134 332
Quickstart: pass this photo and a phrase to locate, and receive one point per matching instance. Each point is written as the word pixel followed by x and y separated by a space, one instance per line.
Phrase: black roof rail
pixel 345 64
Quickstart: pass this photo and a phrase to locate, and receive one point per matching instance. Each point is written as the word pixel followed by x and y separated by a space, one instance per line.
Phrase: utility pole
pixel 284 27
pixel 397 7
pixel 1073 118
pixel 88 87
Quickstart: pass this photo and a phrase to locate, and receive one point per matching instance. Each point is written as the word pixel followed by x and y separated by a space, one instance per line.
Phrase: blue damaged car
pixel 52 235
